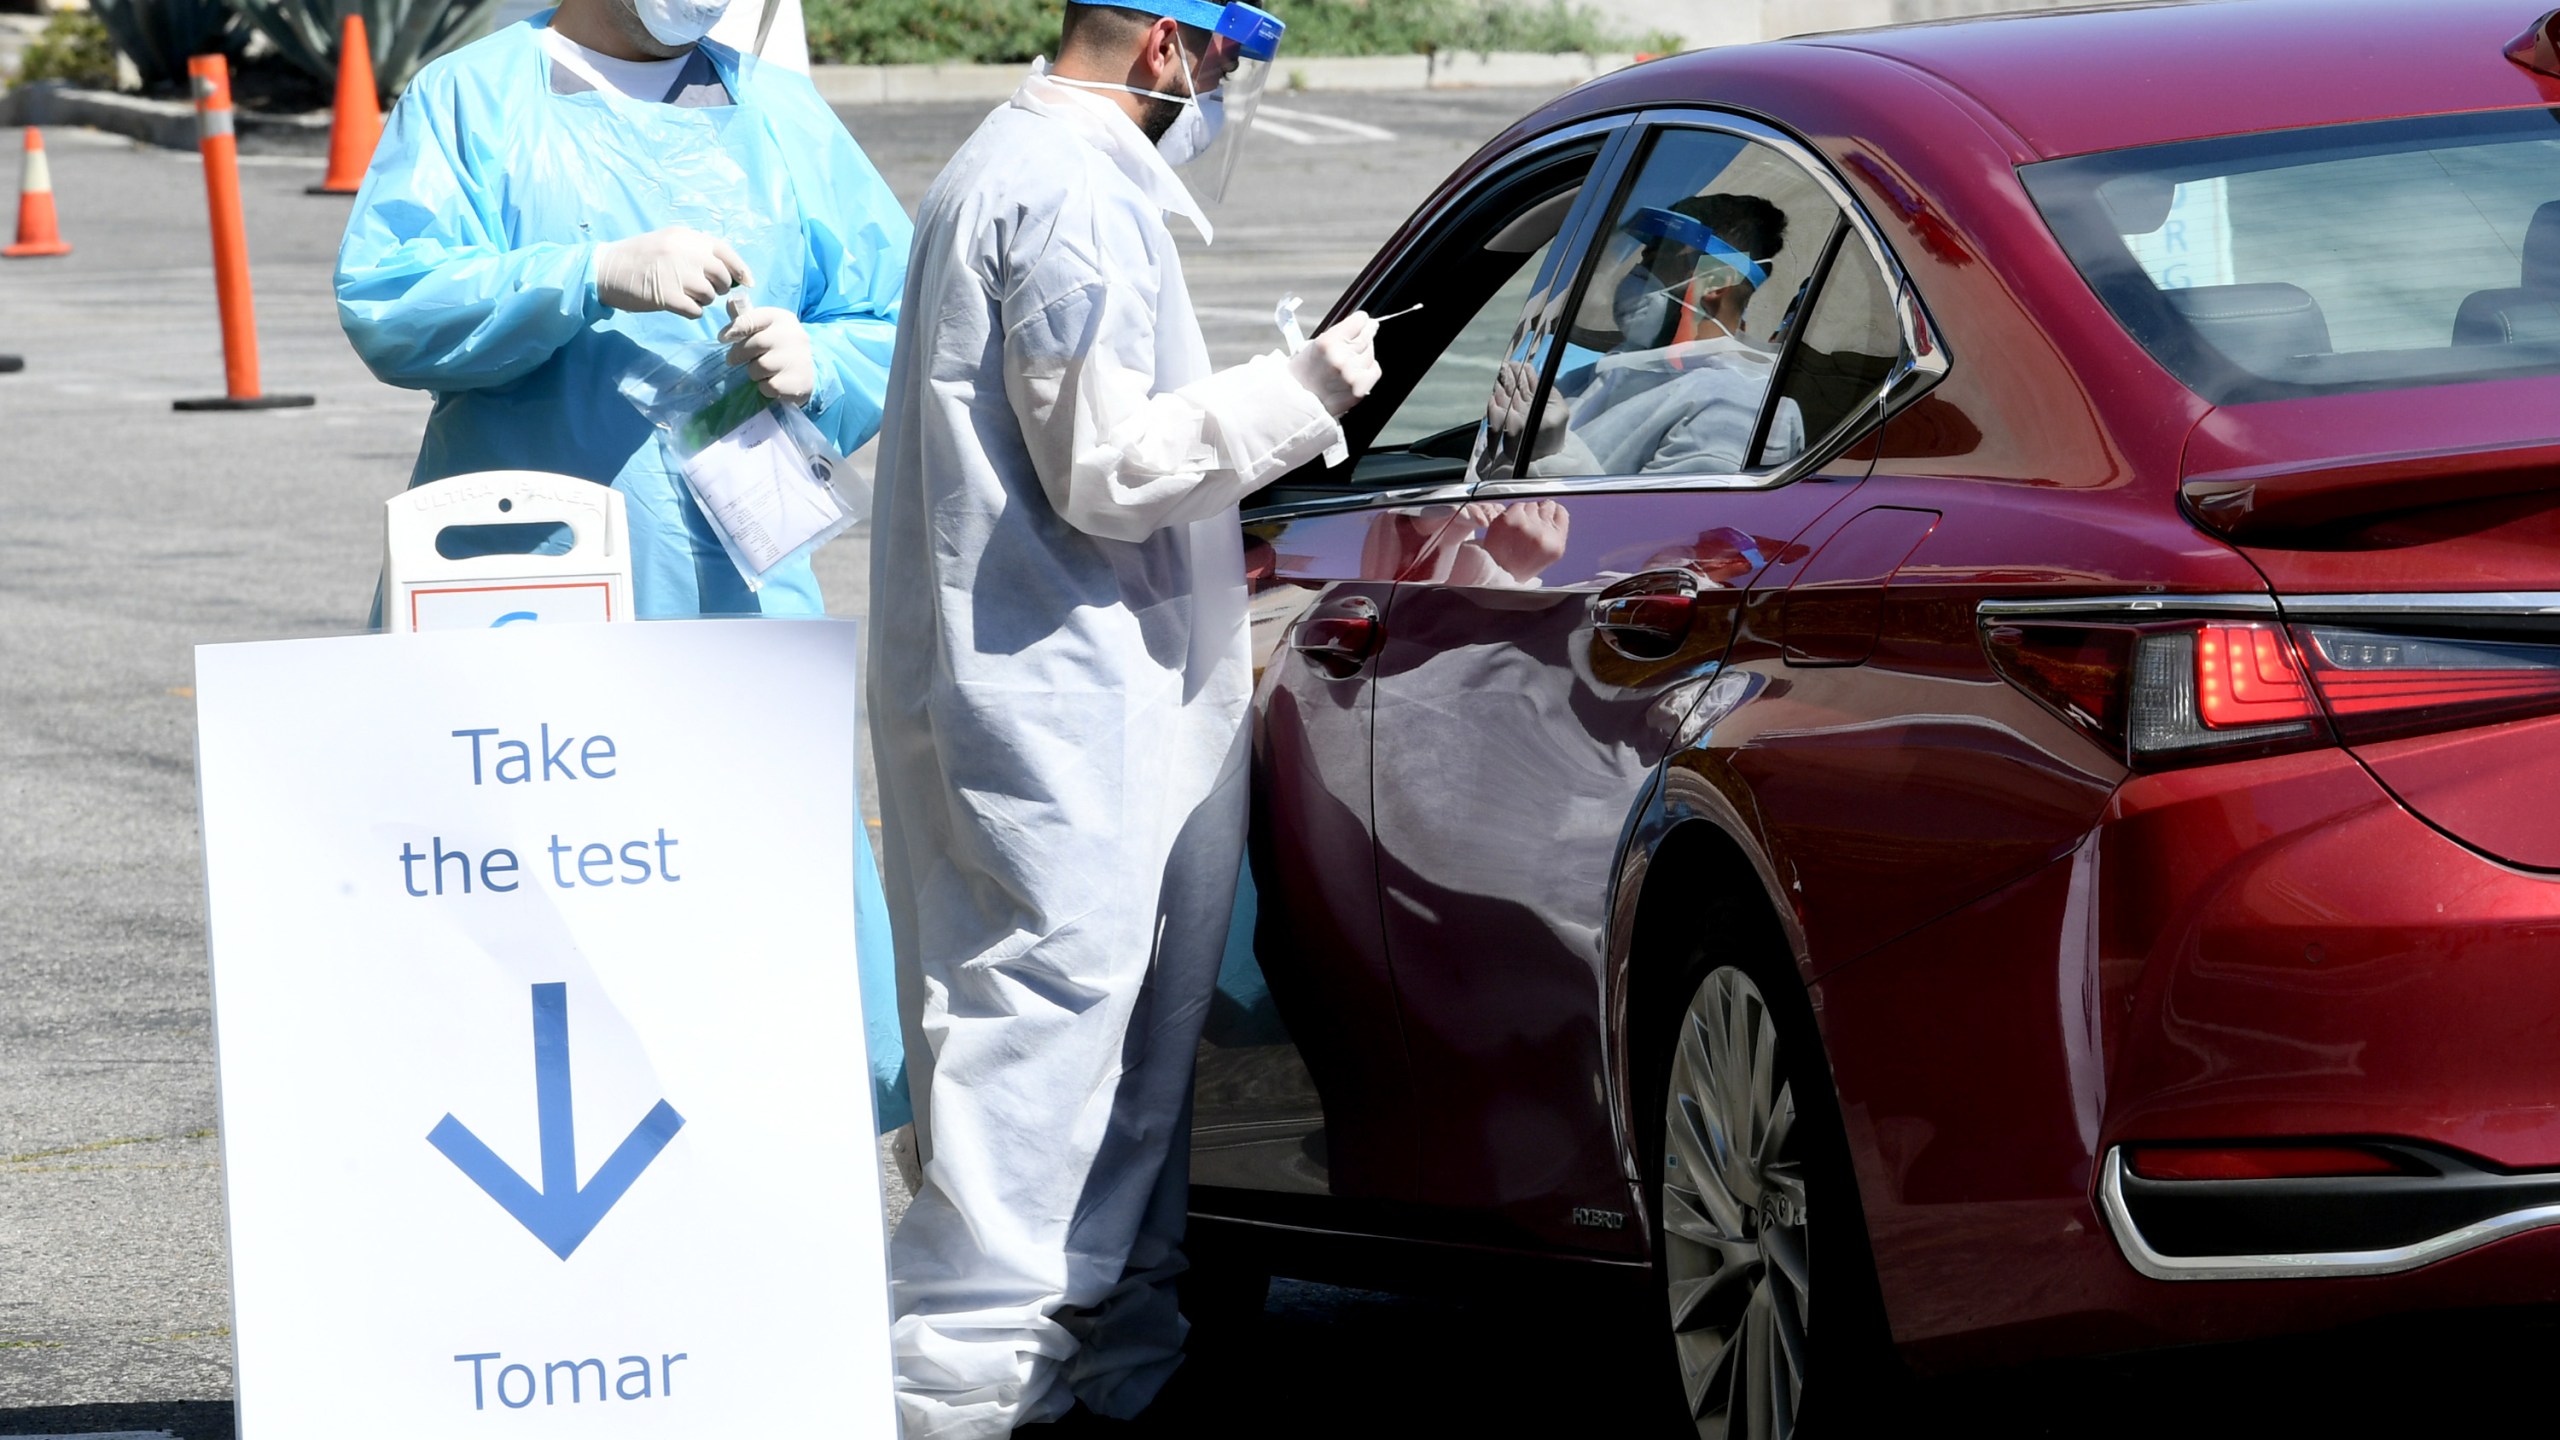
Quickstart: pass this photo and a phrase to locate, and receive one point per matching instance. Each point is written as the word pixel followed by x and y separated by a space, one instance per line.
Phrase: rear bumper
pixel 2269 950
pixel 2286 951
pixel 2331 1228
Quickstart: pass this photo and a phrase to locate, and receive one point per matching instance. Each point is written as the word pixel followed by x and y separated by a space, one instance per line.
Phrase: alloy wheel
pixel 1733 1216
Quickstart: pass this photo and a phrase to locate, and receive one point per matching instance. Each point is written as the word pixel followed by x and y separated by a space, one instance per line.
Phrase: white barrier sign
pixel 544 1103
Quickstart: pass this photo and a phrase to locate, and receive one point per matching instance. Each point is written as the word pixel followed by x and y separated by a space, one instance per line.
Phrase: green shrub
pixel 1406 27
pixel 159 35
pixel 919 32
pixel 896 32
pixel 73 46
pixel 404 34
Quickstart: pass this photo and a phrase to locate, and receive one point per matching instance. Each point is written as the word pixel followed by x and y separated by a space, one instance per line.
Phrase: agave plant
pixel 404 34
pixel 159 35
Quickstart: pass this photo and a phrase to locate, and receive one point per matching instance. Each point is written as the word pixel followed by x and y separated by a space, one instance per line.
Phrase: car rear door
pixel 1531 681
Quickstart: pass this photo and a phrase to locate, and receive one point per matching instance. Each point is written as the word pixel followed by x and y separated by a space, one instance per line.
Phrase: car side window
pixel 1478 271
pixel 1838 357
pixel 1449 398
pixel 1669 358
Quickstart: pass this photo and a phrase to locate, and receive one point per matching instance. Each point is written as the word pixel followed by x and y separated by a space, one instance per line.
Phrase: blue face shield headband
pixel 1255 32
pixel 1658 223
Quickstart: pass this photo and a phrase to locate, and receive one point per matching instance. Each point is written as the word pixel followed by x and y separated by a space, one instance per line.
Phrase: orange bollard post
pixel 39 229
pixel 211 75
pixel 355 128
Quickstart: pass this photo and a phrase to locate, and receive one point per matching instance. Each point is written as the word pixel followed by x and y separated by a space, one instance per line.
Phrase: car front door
pixel 1699 404
pixel 1303 1087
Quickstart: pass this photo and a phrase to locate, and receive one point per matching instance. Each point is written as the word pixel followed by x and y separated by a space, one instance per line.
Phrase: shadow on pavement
pixel 1326 1364
pixel 186 1419
pixel 1321 1363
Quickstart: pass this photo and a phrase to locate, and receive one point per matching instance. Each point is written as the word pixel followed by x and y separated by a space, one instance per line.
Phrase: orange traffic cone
pixel 356 128
pixel 39 232
pixel 217 140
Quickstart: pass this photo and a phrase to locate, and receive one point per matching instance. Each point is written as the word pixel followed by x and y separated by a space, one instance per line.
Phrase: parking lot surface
pixel 130 533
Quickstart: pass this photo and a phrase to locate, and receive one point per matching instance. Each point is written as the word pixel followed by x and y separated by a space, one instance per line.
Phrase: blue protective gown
pixel 468 271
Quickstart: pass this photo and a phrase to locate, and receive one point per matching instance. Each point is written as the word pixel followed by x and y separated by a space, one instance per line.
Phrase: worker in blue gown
pixel 601 192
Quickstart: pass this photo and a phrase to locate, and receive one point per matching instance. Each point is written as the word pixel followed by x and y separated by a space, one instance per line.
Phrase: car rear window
pixel 2331 260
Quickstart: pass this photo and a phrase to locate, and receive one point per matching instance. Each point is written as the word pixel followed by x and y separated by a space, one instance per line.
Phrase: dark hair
pixel 1103 26
pixel 1746 222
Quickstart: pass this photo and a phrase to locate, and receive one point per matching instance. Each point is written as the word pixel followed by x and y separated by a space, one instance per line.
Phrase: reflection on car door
pixel 1303 1084
pixel 1531 681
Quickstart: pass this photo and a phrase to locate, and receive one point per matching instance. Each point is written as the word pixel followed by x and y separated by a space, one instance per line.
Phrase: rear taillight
pixel 2378 686
pixel 2216 686
pixel 2170 694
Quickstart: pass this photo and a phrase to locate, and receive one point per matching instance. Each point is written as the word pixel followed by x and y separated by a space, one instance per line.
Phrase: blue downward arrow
pixel 560 1215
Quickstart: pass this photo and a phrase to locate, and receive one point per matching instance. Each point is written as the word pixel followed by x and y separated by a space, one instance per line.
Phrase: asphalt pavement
pixel 130 533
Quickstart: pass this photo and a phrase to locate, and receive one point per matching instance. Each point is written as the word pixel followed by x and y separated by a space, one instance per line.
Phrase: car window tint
pixel 1450 394
pixel 1840 356
pixel 2333 260
pixel 1669 354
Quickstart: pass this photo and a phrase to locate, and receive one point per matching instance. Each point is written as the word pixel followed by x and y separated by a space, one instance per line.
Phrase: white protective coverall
pixel 1059 688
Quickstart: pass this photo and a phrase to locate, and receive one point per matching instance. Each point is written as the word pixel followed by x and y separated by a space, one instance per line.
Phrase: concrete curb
pixel 167 123
pixel 925 84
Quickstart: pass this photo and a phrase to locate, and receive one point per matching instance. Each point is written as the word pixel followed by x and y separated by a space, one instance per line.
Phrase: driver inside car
pixel 1681 392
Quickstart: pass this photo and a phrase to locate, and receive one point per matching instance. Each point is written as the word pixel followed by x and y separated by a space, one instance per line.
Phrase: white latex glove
pixel 677 269
pixel 771 343
pixel 1340 366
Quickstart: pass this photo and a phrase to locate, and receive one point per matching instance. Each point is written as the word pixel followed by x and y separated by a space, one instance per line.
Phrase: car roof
pixel 2068 82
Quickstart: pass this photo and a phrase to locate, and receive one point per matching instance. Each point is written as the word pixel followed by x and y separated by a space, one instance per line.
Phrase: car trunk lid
pixel 2413 540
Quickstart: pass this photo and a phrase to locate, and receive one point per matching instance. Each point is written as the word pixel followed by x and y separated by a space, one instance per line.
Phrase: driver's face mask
pixel 1649 312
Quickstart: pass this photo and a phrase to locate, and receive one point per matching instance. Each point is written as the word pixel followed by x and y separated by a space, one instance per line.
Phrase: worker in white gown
pixel 1059 684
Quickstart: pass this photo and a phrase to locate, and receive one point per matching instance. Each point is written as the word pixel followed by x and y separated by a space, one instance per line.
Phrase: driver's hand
pixel 1515 390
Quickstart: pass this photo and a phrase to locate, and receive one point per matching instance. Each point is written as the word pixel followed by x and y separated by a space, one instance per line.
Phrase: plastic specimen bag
pixel 758 469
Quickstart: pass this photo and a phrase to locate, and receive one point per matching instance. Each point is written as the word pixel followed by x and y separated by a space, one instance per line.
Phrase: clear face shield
pixel 1228 84
pixel 1659 303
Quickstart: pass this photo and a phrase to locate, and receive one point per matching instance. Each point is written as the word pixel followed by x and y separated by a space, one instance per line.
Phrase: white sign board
pixel 2193 246
pixel 544 1104
pixel 492 607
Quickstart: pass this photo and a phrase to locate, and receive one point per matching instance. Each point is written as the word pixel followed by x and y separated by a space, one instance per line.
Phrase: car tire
pixel 1747 1166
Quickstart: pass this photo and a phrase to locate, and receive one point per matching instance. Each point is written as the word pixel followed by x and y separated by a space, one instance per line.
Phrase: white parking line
pixel 1353 128
pixel 1265 125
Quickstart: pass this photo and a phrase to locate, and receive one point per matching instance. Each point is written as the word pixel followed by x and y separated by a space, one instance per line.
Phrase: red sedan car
pixel 1935 678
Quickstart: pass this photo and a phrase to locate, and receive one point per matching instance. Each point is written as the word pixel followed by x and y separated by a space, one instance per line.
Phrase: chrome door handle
pixel 1652 620
pixel 1648 616
pixel 1339 644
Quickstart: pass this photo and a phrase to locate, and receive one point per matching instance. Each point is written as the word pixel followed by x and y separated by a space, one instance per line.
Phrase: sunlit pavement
pixel 129 533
